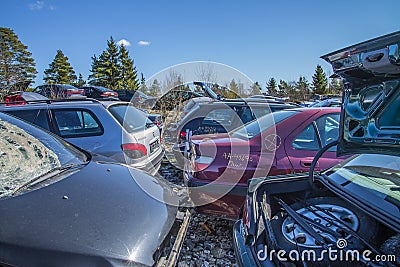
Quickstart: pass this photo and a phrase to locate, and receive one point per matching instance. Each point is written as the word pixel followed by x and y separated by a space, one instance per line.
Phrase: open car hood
pixel 370 121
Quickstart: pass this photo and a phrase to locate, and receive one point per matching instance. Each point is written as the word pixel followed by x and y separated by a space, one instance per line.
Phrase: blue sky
pixel 262 39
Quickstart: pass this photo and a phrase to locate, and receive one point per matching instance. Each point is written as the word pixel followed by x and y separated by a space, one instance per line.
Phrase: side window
pixel 328 128
pixel 246 115
pixel 307 139
pixel 36 116
pixel 220 117
pixel 259 112
pixel 77 123
pixel 327 132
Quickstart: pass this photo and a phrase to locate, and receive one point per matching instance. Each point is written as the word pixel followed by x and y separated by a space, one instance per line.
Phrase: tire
pixel 363 225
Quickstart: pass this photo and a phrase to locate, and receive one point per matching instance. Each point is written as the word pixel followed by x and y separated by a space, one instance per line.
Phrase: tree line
pixel 115 69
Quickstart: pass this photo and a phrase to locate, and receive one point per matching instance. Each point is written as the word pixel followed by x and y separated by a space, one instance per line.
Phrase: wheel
pixel 292 237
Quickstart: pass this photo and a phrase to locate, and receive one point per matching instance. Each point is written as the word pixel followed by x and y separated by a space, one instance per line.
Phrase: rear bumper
pixel 150 165
pixel 243 253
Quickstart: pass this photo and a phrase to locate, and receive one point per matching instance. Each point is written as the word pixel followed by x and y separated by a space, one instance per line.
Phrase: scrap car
pixel 280 142
pixel 62 206
pixel 205 115
pixel 350 213
pixel 114 129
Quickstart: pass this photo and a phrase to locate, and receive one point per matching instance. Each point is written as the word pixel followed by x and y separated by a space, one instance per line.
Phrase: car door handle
pixel 307 163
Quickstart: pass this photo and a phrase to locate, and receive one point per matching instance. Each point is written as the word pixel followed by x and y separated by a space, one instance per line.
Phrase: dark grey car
pixel 59 206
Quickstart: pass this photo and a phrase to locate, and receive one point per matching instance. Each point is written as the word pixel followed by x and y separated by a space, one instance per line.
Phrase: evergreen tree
pixel 143 86
pixel 16 63
pixel 114 68
pixel 320 82
pixel 155 88
pixel 282 88
pixel 302 89
pixel 336 86
pixel 80 82
pixel 60 70
pixel 271 87
pixel 255 89
pixel 233 90
pixel 127 70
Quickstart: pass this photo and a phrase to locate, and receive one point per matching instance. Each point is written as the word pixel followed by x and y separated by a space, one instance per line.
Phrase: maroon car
pixel 282 142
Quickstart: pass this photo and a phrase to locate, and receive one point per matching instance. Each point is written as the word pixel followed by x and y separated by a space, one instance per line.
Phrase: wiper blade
pixel 46 176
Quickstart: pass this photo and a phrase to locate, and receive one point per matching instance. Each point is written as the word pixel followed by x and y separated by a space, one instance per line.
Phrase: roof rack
pixel 49 101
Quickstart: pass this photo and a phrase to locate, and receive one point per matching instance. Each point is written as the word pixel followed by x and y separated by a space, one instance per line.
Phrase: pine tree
pixel 285 89
pixel 60 70
pixel 255 89
pixel 320 82
pixel 16 63
pixel 80 82
pixel 336 86
pixel 302 89
pixel 271 87
pixel 127 70
pixel 114 68
pixel 234 90
pixel 155 88
pixel 143 87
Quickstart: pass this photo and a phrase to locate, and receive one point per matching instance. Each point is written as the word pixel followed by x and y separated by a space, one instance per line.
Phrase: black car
pixel 60 206
pixel 99 92
pixel 58 90
pixel 348 215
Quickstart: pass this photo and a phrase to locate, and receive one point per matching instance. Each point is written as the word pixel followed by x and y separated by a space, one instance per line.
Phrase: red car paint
pixel 235 160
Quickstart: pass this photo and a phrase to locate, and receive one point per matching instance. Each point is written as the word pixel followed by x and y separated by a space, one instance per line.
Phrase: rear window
pixel 130 118
pixel 255 127
pixel 220 117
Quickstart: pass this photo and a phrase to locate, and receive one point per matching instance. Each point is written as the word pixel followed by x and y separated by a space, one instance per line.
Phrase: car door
pixel 303 144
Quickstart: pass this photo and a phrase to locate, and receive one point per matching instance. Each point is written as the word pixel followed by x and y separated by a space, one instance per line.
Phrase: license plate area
pixel 154 146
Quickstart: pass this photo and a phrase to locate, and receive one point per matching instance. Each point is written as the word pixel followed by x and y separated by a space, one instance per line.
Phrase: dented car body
pixel 353 207
pixel 60 206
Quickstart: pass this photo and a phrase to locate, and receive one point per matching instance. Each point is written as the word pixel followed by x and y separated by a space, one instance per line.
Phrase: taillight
pixel 15 100
pixel 158 123
pixel 108 94
pixel 202 162
pixel 182 136
pixel 134 151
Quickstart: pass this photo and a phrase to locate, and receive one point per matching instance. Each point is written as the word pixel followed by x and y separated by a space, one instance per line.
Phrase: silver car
pixel 113 129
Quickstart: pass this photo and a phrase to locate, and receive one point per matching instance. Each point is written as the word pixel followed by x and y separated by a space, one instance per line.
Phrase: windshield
pixel 263 123
pixel 27 152
pixel 374 177
pixel 129 117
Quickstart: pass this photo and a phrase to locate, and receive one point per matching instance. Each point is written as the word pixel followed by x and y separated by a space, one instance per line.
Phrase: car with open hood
pixel 348 215
pixel 61 206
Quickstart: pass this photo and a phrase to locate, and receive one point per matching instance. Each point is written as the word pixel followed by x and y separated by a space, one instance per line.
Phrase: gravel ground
pixel 208 240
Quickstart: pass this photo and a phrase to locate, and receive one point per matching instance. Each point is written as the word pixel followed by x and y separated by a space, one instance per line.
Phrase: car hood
pixel 371 95
pixel 97 216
